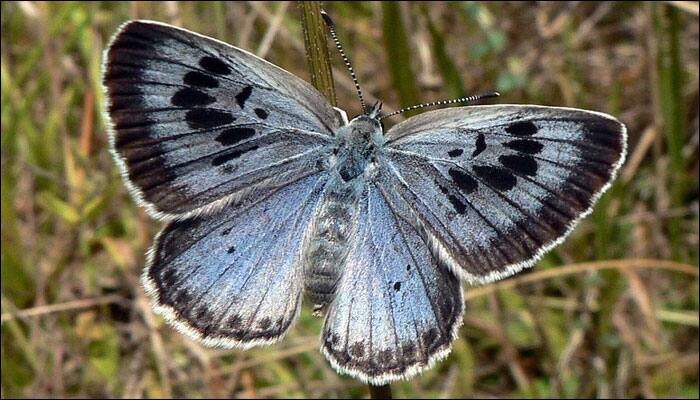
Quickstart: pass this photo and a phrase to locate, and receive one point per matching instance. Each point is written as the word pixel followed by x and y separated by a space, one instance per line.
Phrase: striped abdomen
pixel 325 257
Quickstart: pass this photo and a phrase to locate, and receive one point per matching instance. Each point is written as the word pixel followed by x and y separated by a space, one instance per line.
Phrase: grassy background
pixel 611 312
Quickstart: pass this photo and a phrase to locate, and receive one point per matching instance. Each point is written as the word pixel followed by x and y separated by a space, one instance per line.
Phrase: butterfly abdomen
pixel 325 256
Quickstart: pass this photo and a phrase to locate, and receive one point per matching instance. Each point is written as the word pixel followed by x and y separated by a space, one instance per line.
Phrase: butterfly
pixel 270 194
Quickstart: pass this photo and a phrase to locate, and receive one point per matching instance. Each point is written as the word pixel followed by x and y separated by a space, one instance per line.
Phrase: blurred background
pixel 612 312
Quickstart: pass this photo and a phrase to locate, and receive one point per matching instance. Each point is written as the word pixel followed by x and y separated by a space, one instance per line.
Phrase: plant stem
pixel 379 392
pixel 315 43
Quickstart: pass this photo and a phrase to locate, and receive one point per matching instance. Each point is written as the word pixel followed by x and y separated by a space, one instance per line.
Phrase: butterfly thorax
pixel 355 152
pixel 351 166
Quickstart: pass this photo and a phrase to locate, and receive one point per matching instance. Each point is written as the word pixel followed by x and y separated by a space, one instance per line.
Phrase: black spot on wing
pixel 455 153
pixel 499 178
pixel 480 145
pixel 234 135
pixel 231 250
pixel 397 286
pixel 262 114
pixel 214 65
pixel 189 97
pixel 221 159
pixel 465 182
pixel 522 128
pixel 457 204
pixel 460 207
pixel 525 146
pixel 243 96
pixel 345 174
pixel 196 78
pixel 199 118
pixel 225 231
pixel 525 165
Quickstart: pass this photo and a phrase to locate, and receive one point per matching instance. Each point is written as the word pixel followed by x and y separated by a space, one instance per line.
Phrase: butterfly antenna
pixel 445 102
pixel 331 27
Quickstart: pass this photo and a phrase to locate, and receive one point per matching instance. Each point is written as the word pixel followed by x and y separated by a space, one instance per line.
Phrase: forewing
pixel 194 120
pixel 396 311
pixel 495 187
pixel 235 278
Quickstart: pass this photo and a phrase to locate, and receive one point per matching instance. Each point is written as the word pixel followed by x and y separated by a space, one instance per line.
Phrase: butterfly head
pixel 375 111
pixel 370 120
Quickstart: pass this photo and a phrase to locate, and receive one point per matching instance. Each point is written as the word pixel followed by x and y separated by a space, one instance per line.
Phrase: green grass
pixel 73 241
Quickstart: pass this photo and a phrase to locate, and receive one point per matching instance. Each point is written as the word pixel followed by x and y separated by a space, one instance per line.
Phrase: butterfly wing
pixel 492 188
pixel 235 278
pixel 396 310
pixel 195 123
